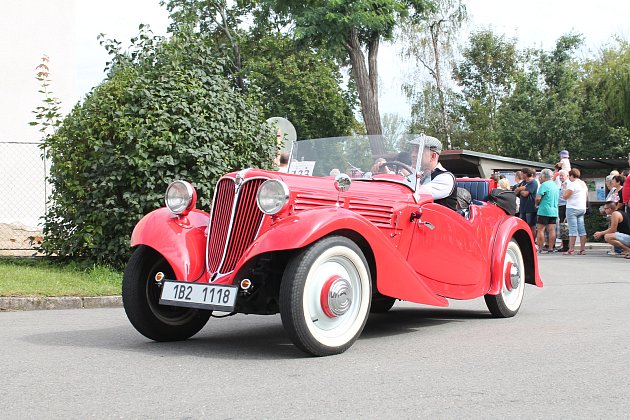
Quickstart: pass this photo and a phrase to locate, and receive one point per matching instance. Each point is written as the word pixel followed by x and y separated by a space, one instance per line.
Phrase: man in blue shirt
pixel 547 202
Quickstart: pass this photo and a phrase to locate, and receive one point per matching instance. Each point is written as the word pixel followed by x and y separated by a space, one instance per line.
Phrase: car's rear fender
pixel 180 240
pixel 513 227
pixel 394 277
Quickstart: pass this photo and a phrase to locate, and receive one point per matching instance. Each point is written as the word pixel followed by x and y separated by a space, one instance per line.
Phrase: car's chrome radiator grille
pixel 378 214
pixel 235 222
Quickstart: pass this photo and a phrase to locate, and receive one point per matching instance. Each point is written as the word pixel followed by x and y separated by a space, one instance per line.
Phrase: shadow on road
pixel 262 338
pixel 406 320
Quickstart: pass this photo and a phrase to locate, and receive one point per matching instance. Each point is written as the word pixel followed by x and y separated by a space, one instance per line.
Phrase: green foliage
pixel 533 103
pixel 47 115
pixel 301 85
pixel 165 112
pixel 431 41
pixel 485 74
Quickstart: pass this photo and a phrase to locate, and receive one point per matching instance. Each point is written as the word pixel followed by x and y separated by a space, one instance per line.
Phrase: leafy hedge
pixel 166 111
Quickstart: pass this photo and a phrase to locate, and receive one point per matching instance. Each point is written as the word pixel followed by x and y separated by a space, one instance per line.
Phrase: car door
pixel 446 250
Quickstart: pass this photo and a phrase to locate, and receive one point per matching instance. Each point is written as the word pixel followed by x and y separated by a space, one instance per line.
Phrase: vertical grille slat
pixel 233 227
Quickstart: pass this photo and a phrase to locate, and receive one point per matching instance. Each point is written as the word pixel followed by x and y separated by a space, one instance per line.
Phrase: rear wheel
pixel 141 296
pixel 325 296
pixel 507 303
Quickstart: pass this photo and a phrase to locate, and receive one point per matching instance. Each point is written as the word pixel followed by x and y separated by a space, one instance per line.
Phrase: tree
pixel 300 83
pixel 561 116
pixel 165 111
pixel 606 106
pixel 609 75
pixel 219 21
pixel 520 114
pixel 485 75
pixel 430 40
pixel 349 29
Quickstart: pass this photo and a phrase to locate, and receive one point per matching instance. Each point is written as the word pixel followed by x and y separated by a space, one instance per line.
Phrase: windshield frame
pixel 358 157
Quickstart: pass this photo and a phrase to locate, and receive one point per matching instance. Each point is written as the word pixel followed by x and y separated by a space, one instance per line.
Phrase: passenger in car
pixel 434 180
pixel 283 162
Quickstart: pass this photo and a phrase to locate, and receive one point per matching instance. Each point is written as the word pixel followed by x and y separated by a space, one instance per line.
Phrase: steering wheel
pixel 398 166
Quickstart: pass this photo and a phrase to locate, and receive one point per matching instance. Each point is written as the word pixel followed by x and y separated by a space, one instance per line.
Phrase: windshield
pixel 361 157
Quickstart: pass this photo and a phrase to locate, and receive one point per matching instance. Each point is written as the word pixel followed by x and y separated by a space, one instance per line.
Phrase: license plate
pixel 199 295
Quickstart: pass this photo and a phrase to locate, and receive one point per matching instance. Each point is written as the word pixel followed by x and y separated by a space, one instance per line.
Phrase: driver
pixel 433 178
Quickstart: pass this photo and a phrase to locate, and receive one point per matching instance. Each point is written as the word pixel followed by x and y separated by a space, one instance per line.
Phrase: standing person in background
pixel 518 182
pixel 547 203
pixel 564 163
pixel 561 181
pixel 616 183
pixel 528 198
pixel 626 188
pixel 576 193
pixel 504 184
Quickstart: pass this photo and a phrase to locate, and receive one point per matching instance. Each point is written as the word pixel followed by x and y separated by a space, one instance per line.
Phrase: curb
pixel 58 302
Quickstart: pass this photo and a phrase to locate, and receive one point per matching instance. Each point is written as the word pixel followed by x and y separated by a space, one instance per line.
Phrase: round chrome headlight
pixel 180 197
pixel 272 196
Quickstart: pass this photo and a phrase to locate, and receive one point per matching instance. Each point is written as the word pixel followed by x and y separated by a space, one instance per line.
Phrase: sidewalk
pixel 14 303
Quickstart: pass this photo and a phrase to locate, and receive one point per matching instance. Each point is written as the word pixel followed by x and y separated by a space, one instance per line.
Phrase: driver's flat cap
pixel 430 143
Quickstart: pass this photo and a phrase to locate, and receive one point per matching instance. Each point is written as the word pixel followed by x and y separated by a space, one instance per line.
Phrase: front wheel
pixel 507 303
pixel 141 296
pixel 325 296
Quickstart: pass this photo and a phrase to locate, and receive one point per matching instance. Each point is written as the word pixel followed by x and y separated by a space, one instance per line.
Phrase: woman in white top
pixel 576 193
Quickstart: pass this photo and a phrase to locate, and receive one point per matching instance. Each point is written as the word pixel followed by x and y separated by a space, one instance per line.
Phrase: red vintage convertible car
pixel 323 244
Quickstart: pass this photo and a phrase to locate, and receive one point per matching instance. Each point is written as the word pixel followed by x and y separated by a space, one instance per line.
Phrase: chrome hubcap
pixel 336 297
pixel 515 277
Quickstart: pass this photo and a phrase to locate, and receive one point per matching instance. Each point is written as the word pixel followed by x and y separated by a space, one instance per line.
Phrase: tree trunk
pixel 435 30
pixel 366 78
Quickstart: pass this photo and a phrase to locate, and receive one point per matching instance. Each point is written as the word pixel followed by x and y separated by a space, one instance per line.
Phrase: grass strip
pixel 43 277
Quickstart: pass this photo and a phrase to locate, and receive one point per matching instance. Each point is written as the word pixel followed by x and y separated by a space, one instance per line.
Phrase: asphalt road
pixel 564 355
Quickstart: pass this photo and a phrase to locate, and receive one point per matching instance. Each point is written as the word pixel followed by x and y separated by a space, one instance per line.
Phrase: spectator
pixel 617 184
pixel 618 234
pixel 626 189
pixel 547 203
pixel 613 192
pixel 504 184
pixel 527 193
pixel 518 182
pixel 564 163
pixel 562 180
pixel 576 194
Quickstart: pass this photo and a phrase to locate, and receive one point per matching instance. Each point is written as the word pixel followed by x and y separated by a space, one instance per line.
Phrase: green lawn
pixel 41 277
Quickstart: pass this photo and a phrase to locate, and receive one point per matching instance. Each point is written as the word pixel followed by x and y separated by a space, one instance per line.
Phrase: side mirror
pixel 342 182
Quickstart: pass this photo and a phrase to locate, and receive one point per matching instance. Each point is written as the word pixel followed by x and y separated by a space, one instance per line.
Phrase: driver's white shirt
pixel 440 186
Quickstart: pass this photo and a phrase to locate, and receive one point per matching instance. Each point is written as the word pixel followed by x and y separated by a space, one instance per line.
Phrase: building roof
pixel 601 163
pixel 469 163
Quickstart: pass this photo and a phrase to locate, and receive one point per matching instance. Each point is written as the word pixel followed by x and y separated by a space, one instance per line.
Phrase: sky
pixel 535 23
pixel 67 31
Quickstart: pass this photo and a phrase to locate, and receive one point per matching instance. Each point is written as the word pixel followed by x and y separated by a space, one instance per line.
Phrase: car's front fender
pixel 394 276
pixel 513 227
pixel 180 240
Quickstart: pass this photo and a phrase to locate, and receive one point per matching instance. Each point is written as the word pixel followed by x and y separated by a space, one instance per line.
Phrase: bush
pixel 166 111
